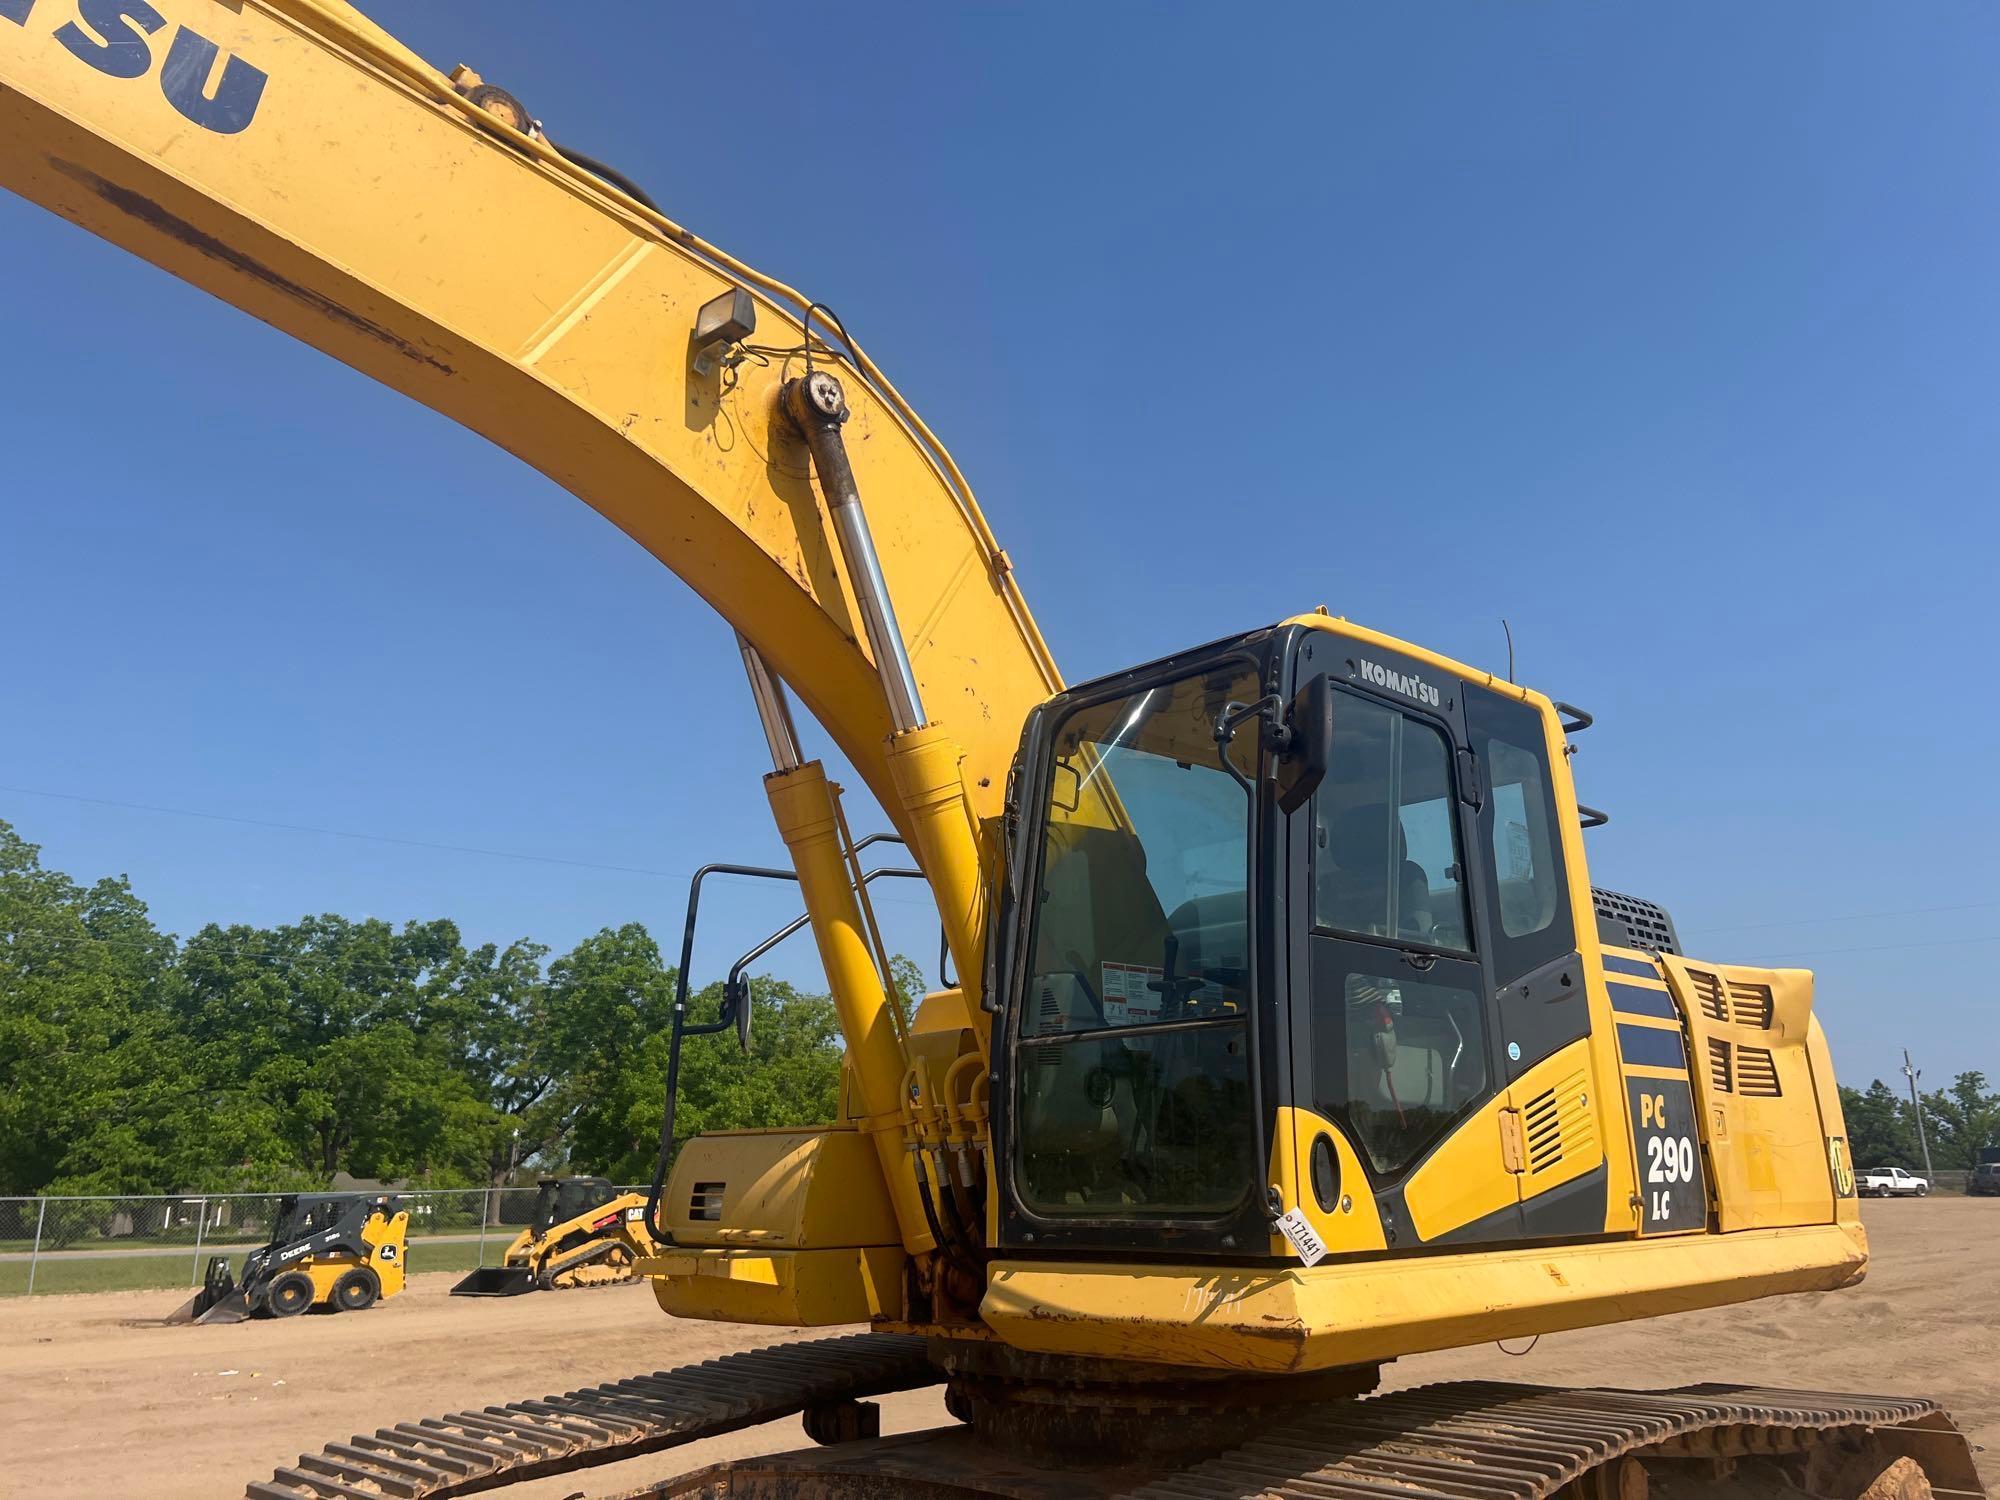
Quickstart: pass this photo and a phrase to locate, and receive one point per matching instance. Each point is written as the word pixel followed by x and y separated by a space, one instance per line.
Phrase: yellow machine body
pixel 780 1226
pixel 582 1232
pixel 388 1240
pixel 337 1251
pixel 1776 1212
pixel 620 1221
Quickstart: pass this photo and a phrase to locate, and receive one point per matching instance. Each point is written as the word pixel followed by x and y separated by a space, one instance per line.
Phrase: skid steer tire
pixel 290 1295
pixel 357 1290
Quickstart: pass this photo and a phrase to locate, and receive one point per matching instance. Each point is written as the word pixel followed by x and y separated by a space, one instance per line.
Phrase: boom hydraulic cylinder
pixel 807 808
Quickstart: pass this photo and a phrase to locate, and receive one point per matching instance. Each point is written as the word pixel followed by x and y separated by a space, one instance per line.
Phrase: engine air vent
pixel 705 1203
pixel 1750 1004
pixel 1709 994
pixel 1756 1073
pixel 1559 1126
pixel 1543 1122
pixel 1645 922
pixel 1721 1072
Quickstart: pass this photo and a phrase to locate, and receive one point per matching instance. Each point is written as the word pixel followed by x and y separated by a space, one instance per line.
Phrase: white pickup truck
pixel 1891 1182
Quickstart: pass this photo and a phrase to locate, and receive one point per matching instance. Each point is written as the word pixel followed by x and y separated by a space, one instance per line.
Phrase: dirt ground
pixel 96 1400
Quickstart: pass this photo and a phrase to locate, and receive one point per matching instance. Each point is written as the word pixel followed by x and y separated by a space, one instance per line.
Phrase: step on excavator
pixel 1289 1035
pixel 342 1252
pixel 584 1233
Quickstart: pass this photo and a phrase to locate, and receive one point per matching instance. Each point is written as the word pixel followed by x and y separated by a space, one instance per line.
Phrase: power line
pixel 1866 916
pixel 384 838
pixel 1877 948
pixel 343 833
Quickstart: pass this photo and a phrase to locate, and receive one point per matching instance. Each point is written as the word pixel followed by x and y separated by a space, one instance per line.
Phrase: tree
pixel 1879 1133
pixel 790 1076
pixel 1963 1120
pixel 94 1081
pixel 272 1058
pixel 345 1040
pixel 608 998
pixel 496 1010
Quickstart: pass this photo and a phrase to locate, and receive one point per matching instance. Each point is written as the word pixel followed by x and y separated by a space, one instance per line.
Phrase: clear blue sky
pixel 1671 335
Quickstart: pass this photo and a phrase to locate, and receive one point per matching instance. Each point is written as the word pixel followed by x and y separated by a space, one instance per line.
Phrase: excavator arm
pixel 295 160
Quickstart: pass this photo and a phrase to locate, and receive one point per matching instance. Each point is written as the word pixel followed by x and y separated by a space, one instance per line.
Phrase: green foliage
pixel 1962 1120
pixel 94 1079
pixel 1879 1132
pixel 270 1058
pixel 791 1076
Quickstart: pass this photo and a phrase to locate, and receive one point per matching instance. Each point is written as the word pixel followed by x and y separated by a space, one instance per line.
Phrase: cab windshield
pixel 1133 1081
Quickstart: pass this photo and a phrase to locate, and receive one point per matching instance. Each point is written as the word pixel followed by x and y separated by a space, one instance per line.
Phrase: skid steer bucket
pixel 220 1300
pixel 496 1281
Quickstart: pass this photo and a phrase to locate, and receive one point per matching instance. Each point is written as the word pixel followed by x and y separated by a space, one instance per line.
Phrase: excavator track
pixel 471 1451
pixel 1477 1439
pixel 1474 1440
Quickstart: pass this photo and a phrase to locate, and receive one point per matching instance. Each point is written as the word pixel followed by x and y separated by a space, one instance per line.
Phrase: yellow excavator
pixel 584 1232
pixel 1290 1035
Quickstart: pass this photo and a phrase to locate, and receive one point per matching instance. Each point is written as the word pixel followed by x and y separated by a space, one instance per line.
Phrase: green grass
pixel 108 1271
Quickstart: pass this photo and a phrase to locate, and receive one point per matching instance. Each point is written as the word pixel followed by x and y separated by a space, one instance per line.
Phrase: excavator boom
pixel 296 161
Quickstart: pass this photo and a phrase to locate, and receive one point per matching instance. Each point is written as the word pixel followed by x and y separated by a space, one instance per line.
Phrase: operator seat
pixel 1364 842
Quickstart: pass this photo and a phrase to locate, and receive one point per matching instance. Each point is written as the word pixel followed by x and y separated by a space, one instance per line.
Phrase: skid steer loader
pixel 340 1251
pixel 584 1233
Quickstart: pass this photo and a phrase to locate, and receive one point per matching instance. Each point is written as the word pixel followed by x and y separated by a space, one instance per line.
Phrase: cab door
pixel 1398 1040
pixel 1541 1012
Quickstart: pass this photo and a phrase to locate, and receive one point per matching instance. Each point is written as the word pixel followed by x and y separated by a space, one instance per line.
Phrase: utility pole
pixel 513 1166
pixel 1917 1108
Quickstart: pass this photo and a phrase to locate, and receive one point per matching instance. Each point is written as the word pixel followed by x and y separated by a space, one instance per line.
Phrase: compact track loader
pixel 340 1251
pixel 584 1233
pixel 1290 1034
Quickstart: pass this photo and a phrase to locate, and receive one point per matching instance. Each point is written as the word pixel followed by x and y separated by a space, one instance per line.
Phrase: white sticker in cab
pixel 1130 995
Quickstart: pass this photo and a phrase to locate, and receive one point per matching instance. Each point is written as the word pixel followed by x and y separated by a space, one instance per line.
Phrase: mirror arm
pixel 1272 710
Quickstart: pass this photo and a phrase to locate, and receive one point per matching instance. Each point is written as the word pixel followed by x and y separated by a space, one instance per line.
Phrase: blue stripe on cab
pixel 1637 968
pixel 1650 1047
pixel 1635 1001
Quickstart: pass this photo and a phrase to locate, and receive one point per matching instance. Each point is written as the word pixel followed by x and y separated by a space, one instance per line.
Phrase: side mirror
pixel 736 1007
pixel 1309 747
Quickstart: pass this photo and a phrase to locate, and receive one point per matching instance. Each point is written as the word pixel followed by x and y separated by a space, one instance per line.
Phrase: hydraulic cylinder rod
pixel 924 758
pixel 774 709
pixel 818 406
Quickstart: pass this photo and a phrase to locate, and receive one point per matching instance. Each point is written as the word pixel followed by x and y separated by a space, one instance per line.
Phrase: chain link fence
pixel 103 1244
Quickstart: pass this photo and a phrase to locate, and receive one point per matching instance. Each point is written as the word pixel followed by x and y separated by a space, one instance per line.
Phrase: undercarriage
pixel 1030 1431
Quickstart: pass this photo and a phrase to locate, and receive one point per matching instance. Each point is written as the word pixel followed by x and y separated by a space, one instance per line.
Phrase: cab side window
pixel 1527 896
pixel 1385 832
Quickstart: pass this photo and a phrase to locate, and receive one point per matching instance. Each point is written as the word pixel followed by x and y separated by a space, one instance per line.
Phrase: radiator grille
pixel 1756 1073
pixel 1722 1074
pixel 1647 922
pixel 1709 994
pixel 705 1203
pixel 1750 1004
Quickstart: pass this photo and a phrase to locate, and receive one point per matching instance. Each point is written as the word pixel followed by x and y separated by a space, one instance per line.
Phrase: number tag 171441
pixel 1673 1189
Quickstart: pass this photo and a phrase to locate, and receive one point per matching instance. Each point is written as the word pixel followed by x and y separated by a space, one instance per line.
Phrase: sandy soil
pixel 95 1399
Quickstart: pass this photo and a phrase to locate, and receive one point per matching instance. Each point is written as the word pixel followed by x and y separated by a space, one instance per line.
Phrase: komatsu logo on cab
pixel 1399 682
pixel 115 38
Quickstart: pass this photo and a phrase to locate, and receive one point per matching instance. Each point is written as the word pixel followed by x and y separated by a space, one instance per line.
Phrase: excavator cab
pixel 1299 961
